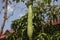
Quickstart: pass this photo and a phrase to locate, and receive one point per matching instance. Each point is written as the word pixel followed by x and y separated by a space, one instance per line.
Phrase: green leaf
pixel 42 4
pixel 47 1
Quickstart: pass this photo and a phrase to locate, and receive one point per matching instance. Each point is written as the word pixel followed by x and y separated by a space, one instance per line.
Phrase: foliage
pixel 38 22
pixel 41 29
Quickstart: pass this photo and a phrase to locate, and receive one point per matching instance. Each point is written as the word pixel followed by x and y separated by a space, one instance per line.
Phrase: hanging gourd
pixel 30 26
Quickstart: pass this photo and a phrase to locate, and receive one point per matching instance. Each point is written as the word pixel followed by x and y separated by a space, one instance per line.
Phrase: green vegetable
pixel 30 26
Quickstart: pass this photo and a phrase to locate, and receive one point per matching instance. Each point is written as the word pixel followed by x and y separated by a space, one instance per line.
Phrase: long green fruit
pixel 30 26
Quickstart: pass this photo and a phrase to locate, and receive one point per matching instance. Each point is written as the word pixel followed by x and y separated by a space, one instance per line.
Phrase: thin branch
pixel 0 10
pixel 5 17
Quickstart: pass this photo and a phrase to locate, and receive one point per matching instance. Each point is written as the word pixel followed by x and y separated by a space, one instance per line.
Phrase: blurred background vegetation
pixel 42 17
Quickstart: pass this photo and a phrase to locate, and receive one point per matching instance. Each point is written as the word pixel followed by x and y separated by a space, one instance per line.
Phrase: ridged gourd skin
pixel 30 26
